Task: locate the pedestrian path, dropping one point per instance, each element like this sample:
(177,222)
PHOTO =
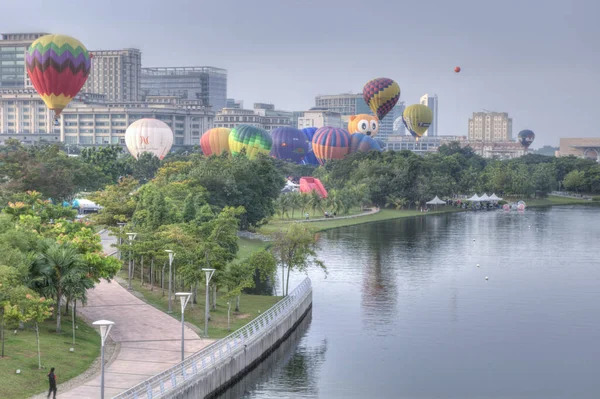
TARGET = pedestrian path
(149,340)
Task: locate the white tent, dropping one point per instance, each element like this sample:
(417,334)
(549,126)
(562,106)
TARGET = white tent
(493,197)
(436,201)
(484,197)
(474,198)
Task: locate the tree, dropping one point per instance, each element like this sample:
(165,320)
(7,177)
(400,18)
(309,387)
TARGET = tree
(31,308)
(117,201)
(575,180)
(109,160)
(241,274)
(295,249)
(144,168)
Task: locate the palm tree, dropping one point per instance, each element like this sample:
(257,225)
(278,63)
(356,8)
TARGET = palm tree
(397,202)
(315,201)
(64,266)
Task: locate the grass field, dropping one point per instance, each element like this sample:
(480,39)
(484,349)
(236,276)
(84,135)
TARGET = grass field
(251,306)
(21,353)
(553,200)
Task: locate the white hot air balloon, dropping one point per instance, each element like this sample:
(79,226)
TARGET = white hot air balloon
(149,135)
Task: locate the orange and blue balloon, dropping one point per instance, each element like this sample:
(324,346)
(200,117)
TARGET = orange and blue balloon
(330,143)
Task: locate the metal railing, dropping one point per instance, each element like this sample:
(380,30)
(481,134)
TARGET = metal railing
(220,351)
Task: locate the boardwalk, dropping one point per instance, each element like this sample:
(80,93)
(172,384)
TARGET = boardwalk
(149,339)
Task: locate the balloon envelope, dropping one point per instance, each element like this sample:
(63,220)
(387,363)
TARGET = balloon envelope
(526,137)
(254,139)
(381,95)
(330,143)
(215,141)
(310,158)
(360,142)
(457,69)
(289,144)
(58,66)
(149,135)
(417,118)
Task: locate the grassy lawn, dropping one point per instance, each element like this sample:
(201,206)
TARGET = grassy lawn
(251,306)
(21,353)
(384,214)
(248,246)
(554,200)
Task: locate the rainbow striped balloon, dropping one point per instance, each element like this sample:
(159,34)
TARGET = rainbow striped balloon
(330,143)
(58,66)
(251,138)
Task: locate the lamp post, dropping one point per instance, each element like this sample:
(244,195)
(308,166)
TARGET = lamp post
(121,225)
(184,298)
(131,237)
(171,256)
(105,326)
(209,274)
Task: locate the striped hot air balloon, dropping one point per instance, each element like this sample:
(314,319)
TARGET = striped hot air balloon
(381,95)
(330,143)
(58,66)
(254,139)
(215,141)
(360,142)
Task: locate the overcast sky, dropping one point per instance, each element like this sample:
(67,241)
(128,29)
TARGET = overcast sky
(538,60)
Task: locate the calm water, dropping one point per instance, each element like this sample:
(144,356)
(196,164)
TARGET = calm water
(406,312)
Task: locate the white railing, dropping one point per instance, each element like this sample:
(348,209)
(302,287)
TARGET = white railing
(220,351)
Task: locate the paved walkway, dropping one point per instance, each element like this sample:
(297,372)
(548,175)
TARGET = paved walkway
(149,339)
(323,219)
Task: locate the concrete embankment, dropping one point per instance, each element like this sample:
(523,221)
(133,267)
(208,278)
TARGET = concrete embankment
(212,370)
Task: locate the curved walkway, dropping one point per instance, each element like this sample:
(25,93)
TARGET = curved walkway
(149,339)
(371,212)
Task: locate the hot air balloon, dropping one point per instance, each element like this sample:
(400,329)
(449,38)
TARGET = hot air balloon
(58,66)
(289,144)
(457,69)
(363,123)
(417,118)
(310,158)
(254,139)
(215,141)
(381,95)
(149,135)
(526,137)
(362,143)
(330,143)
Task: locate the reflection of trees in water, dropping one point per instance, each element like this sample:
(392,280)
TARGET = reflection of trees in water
(293,367)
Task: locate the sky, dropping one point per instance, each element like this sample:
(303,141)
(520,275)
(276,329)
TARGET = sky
(538,60)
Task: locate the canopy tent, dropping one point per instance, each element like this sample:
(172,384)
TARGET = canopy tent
(436,201)
(474,198)
(493,197)
(484,197)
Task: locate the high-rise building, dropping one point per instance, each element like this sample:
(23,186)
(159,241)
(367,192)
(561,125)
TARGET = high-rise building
(207,84)
(490,126)
(116,74)
(13,73)
(233,103)
(344,104)
(432,102)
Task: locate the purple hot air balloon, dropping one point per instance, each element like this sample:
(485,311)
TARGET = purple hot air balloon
(289,144)
(310,158)
(362,143)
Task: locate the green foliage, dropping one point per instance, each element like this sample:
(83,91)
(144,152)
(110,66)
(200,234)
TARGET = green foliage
(117,201)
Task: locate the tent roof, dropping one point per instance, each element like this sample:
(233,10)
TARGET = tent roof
(474,198)
(484,197)
(493,197)
(436,201)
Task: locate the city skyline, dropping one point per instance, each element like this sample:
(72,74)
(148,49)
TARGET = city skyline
(535,64)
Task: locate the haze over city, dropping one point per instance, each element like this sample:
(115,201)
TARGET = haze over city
(537,61)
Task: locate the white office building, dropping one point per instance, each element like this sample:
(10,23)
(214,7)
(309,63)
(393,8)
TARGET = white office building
(264,116)
(320,118)
(116,74)
(490,127)
(432,102)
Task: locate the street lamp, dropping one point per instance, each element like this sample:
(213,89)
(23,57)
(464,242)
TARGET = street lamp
(171,256)
(105,326)
(184,298)
(209,274)
(131,237)
(120,224)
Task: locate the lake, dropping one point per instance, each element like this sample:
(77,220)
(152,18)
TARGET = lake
(406,313)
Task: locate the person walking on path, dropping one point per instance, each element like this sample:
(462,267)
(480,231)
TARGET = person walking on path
(52,382)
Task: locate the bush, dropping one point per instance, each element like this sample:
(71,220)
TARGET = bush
(596,198)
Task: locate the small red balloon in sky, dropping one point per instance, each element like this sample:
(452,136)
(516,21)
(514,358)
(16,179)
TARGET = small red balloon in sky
(457,69)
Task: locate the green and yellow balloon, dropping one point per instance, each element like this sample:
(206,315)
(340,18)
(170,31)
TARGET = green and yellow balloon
(251,138)
(417,118)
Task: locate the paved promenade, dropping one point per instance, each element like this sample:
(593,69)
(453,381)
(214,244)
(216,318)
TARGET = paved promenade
(149,339)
